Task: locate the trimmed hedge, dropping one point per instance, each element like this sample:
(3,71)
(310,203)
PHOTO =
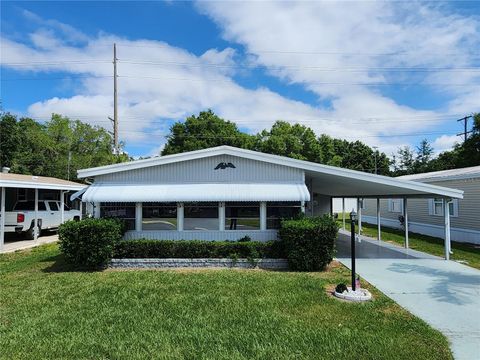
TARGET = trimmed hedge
(309,242)
(194,249)
(89,243)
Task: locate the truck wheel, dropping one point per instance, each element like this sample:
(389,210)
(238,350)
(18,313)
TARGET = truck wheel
(30,233)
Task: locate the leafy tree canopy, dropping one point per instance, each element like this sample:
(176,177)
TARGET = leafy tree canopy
(57,148)
(295,141)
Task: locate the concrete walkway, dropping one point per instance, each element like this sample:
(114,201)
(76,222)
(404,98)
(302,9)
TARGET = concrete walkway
(14,243)
(443,293)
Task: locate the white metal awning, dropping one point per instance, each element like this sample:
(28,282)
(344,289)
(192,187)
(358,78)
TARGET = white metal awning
(101,192)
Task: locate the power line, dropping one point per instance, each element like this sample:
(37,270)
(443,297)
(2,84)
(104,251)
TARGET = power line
(299,67)
(229,80)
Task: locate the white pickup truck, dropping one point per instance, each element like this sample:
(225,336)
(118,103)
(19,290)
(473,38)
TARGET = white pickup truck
(22,218)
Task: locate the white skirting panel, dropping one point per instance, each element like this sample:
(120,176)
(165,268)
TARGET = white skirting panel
(212,235)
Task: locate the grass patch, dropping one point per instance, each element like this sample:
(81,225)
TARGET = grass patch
(50,311)
(465,253)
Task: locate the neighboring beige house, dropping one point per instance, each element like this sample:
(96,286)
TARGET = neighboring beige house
(426,215)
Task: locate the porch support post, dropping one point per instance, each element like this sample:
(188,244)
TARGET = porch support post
(221,216)
(138,216)
(263,215)
(96,210)
(446,212)
(62,206)
(302,207)
(2,219)
(379,229)
(405,215)
(35,221)
(180,216)
(343,212)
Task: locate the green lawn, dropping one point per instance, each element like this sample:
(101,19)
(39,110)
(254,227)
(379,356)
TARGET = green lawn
(465,253)
(48,311)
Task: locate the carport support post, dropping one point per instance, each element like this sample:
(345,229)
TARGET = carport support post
(379,229)
(35,221)
(446,212)
(62,206)
(2,218)
(359,211)
(343,213)
(352,244)
(138,216)
(405,215)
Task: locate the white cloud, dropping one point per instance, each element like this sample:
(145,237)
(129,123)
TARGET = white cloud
(444,143)
(159,82)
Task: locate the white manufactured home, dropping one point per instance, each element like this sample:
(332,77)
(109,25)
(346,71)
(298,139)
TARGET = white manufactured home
(427,214)
(226,193)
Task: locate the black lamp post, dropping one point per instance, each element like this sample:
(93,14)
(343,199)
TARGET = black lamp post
(353,217)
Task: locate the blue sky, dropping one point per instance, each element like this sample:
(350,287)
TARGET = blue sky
(386,73)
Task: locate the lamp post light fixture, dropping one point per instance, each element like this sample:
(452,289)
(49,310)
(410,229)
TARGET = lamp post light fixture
(353,217)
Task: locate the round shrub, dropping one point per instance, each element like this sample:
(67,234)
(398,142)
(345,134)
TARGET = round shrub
(309,243)
(89,243)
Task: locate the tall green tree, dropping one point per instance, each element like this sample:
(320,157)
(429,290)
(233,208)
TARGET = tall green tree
(424,154)
(204,131)
(406,161)
(8,138)
(295,141)
(58,147)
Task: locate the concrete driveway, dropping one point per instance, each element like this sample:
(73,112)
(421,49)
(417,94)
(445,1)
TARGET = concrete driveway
(445,294)
(14,242)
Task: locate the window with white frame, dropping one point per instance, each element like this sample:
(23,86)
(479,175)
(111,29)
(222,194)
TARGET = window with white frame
(395,205)
(435,207)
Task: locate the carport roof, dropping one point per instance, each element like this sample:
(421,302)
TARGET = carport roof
(325,179)
(9,180)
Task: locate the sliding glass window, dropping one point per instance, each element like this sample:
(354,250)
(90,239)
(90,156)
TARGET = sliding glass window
(242,216)
(201,216)
(159,216)
(276,211)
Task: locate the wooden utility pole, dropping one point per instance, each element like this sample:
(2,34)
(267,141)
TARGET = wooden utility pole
(465,126)
(115,103)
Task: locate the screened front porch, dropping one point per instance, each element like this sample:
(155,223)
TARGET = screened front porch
(201,220)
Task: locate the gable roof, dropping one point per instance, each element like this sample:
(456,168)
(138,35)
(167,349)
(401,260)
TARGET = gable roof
(452,174)
(40,182)
(331,174)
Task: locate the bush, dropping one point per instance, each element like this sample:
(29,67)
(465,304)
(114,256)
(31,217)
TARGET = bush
(309,242)
(144,249)
(89,243)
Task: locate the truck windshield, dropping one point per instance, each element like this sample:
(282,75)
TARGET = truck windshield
(29,206)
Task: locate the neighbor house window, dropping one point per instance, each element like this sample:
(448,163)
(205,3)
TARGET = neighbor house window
(159,216)
(436,207)
(395,205)
(242,216)
(201,216)
(276,211)
(119,210)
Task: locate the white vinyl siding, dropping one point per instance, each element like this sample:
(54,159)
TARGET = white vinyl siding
(466,211)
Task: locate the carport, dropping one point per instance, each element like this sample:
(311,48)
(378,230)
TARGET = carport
(16,187)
